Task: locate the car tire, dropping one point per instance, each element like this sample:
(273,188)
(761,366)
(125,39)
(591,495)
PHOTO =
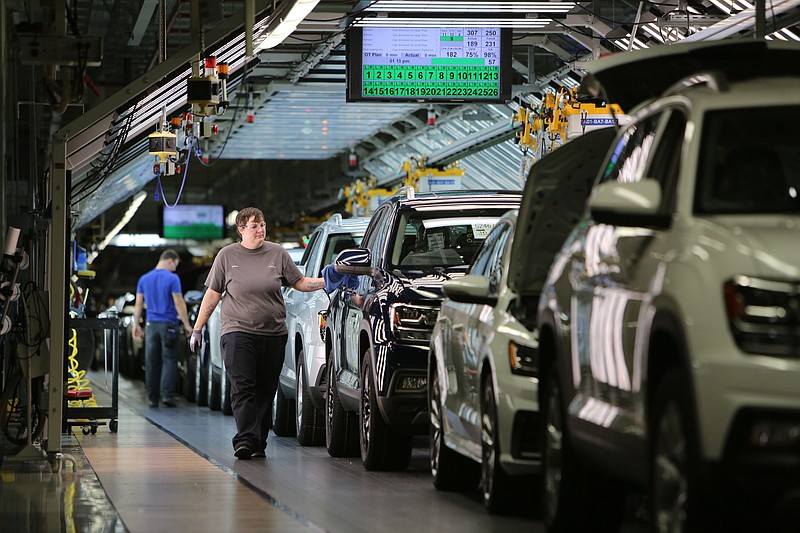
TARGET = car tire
(282,415)
(189,386)
(566,487)
(214,390)
(201,378)
(310,421)
(495,483)
(450,470)
(679,498)
(225,393)
(341,427)
(382,447)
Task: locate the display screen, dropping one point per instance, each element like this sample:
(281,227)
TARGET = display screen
(456,64)
(200,222)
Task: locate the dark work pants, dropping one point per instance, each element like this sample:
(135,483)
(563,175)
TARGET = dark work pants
(253,363)
(160,361)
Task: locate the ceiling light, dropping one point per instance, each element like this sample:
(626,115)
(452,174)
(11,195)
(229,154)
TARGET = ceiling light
(286,24)
(453,22)
(411,6)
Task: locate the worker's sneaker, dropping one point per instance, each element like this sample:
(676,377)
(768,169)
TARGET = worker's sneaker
(170,403)
(243,452)
(259,455)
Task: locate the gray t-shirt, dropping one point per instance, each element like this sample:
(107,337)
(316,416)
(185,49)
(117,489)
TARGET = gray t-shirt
(252,281)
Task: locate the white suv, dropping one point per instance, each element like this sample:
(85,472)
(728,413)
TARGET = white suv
(297,409)
(669,325)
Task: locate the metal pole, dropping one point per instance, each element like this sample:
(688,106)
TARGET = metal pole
(761,19)
(57,266)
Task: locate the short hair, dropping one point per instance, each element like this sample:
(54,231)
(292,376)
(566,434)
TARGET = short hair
(169,254)
(243,217)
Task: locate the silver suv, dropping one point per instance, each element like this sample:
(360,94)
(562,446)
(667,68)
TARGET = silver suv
(298,403)
(670,320)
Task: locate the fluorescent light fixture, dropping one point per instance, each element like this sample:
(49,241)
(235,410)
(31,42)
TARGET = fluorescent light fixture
(138,240)
(453,22)
(138,200)
(467,6)
(286,23)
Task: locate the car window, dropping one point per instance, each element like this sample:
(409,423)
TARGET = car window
(336,243)
(489,260)
(427,239)
(310,248)
(742,173)
(628,158)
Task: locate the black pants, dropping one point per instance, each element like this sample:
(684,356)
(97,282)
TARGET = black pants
(253,363)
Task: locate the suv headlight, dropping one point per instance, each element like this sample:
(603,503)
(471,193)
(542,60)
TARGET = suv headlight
(764,315)
(413,323)
(524,360)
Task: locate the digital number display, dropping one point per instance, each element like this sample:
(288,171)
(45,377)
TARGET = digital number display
(441,64)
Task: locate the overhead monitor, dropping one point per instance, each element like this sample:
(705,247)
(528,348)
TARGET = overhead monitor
(424,64)
(199,222)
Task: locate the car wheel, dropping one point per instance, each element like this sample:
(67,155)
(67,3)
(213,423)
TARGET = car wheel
(341,429)
(676,487)
(201,379)
(450,469)
(565,486)
(282,417)
(214,390)
(310,420)
(382,447)
(494,481)
(225,393)
(189,386)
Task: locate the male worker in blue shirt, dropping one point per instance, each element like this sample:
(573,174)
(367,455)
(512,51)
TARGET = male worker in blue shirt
(161,289)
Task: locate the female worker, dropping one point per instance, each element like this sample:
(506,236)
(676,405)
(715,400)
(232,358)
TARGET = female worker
(253,337)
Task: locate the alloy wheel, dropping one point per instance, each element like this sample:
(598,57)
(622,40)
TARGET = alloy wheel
(670,483)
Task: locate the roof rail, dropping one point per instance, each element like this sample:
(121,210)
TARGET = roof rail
(714,80)
(335,218)
(408,191)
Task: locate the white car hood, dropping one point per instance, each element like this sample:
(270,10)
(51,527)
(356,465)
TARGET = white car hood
(770,243)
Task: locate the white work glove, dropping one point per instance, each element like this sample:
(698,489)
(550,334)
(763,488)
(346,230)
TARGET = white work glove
(195,340)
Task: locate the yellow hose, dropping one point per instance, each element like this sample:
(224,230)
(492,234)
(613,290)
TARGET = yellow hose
(76,379)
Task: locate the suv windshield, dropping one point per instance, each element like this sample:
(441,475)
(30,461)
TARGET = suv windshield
(744,171)
(433,239)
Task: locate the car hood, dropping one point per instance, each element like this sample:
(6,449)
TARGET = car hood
(629,78)
(554,200)
(769,242)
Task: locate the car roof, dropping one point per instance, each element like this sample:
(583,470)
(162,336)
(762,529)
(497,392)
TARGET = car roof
(630,78)
(460,199)
(337,224)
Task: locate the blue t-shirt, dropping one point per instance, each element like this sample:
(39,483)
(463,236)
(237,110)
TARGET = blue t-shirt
(157,286)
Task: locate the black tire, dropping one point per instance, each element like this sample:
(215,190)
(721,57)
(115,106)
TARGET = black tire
(495,483)
(382,446)
(341,427)
(214,390)
(450,469)
(566,488)
(189,381)
(680,499)
(225,394)
(201,379)
(282,415)
(310,421)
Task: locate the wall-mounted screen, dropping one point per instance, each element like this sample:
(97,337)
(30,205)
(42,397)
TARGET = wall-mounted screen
(200,222)
(446,64)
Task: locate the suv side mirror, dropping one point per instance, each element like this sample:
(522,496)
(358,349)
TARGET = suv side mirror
(469,289)
(628,204)
(354,262)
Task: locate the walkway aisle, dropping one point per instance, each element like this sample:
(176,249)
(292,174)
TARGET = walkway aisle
(156,483)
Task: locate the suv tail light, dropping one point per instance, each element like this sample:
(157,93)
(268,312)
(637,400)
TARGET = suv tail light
(764,315)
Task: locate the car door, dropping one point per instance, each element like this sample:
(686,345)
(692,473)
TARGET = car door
(614,276)
(472,329)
